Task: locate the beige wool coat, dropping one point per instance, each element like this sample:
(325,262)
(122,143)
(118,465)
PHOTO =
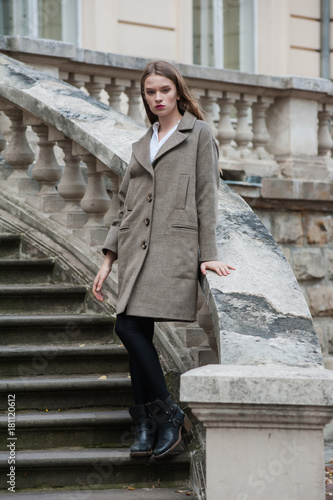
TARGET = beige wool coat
(166,223)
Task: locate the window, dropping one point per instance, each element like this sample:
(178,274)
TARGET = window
(224,34)
(54,19)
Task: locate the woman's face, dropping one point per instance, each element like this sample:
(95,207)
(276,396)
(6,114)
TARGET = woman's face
(161,95)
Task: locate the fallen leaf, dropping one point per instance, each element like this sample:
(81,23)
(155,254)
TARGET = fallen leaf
(102,377)
(130,488)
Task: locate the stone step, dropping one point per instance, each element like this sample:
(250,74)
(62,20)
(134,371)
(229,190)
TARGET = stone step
(82,468)
(17,271)
(67,392)
(181,492)
(9,245)
(55,329)
(62,360)
(38,299)
(71,429)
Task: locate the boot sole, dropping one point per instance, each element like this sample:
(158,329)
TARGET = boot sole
(141,454)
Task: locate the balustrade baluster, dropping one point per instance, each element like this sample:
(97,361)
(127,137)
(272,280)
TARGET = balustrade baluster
(46,171)
(226,132)
(95,202)
(134,101)
(18,153)
(261,135)
(75,79)
(207,101)
(115,90)
(96,85)
(325,142)
(72,185)
(244,134)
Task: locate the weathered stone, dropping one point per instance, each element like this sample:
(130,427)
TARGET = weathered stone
(321,300)
(287,253)
(329,258)
(329,337)
(298,189)
(259,318)
(319,229)
(308,263)
(320,328)
(288,228)
(265,218)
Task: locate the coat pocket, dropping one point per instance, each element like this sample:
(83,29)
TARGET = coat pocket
(182,191)
(181,259)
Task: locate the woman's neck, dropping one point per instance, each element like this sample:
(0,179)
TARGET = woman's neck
(168,122)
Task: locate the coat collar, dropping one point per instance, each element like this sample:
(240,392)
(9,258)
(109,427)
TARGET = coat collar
(141,148)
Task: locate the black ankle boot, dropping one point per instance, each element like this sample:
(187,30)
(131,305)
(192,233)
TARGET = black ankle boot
(145,432)
(170,420)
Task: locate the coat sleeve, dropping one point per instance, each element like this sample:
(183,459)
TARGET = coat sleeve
(111,241)
(207,186)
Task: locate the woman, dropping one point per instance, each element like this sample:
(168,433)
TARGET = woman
(165,227)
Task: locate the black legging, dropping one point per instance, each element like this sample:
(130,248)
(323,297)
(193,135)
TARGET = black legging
(147,377)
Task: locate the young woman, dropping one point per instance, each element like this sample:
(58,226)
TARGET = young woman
(164,231)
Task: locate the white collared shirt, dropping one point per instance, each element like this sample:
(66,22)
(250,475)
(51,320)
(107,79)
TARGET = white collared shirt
(154,144)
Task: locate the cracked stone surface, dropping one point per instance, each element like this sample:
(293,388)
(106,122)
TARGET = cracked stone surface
(258,311)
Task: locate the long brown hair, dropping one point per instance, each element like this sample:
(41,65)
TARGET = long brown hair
(186,102)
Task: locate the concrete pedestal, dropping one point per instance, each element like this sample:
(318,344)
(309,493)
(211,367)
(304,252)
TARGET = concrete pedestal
(264,429)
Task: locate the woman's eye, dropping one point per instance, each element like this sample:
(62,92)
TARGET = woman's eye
(166,90)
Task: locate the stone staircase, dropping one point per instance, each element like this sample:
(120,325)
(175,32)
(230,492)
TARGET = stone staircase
(59,357)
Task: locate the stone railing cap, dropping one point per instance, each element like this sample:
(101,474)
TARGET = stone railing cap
(278,385)
(213,77)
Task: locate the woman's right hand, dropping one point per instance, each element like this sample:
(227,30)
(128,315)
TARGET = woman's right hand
(102,274)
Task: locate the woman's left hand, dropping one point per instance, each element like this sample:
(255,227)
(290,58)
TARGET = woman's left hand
(217,266)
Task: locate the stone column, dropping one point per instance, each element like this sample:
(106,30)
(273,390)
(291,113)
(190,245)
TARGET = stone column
(134,101)
(114,91)
(207,100)
(264,429)
(95,201)
(75,79)
(18,153)
(244,134)
(293,126)
(96,85)
(72,185)
(46,171)
(226,132)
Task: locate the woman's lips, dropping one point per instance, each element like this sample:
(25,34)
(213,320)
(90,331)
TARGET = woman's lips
(159,107)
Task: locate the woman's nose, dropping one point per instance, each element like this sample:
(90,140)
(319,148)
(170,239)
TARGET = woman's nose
(158,97)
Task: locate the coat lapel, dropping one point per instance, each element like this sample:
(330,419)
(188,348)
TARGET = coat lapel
(141,148)
(141,151)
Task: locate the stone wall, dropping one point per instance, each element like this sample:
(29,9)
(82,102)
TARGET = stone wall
(306,239)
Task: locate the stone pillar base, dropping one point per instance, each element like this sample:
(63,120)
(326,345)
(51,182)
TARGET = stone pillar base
(264,429)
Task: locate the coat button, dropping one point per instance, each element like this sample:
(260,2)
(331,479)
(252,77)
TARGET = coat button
(147,221)
(150,197)
(144,245)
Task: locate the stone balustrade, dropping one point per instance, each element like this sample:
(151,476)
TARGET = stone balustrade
(262,326)
(272,128)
